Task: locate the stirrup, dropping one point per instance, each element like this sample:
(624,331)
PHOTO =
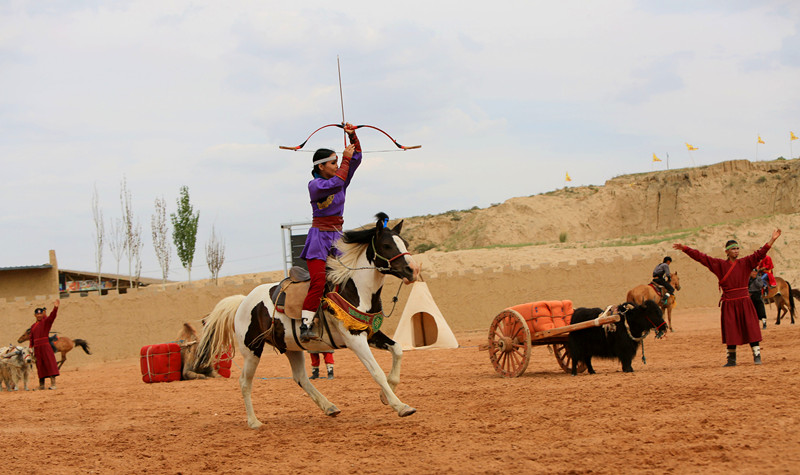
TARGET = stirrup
(307,334)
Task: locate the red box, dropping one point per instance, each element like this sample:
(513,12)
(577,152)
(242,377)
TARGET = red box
(223,366)
(160,363)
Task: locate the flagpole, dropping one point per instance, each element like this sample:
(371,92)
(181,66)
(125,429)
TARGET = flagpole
(667,160)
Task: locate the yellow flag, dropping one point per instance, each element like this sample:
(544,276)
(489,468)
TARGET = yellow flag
(760,140)
(656,159)
(794,137)
(691,147)
(568,178)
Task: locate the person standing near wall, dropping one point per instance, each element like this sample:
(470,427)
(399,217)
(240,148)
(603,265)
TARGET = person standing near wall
(756,286)
(46,364)
(738,319)
(315,363)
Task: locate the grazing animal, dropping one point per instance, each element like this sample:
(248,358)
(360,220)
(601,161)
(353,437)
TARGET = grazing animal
(62,344)
(368,255)
(16,364)
(618,340)
(643,292)
(187,339)
(782,295)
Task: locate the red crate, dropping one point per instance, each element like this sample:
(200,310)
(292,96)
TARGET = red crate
(160,363)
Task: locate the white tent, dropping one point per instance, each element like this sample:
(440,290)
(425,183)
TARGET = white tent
(422,324)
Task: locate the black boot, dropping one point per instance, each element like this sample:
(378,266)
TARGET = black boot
(314,373)
(306,334)
(731,360)
(330,373)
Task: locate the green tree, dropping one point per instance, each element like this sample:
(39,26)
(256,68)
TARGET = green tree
(184,230)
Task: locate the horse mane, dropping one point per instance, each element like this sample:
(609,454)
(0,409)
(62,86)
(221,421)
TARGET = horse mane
(352,244)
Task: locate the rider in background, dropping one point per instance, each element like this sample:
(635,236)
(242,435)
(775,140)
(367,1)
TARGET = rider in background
(327,192)
(766,267)
(661,276)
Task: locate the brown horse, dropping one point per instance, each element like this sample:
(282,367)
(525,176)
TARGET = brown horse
(62,344)
(782,296)
(187,339)
(643,292)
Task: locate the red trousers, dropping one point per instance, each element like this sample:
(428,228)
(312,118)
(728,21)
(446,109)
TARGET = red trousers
(316,267)
(315,358)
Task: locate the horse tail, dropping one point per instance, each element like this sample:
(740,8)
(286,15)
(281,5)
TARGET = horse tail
(83,344)
(791,297)
(218,333)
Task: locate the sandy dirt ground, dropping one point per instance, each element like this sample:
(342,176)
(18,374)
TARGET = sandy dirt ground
(682,412)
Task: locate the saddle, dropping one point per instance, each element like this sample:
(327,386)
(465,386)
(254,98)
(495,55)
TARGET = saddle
(660,290)
(289,294)
(53,339)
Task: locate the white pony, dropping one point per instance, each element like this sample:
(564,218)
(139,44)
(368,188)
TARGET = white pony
(357,276)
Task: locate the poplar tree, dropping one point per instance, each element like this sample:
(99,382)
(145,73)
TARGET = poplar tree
(184,230)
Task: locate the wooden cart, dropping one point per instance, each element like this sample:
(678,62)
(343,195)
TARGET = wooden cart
(516,329)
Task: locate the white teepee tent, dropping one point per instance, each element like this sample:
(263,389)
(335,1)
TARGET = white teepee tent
(422,324)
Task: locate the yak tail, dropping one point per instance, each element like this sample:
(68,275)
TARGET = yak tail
(83,344)
(218,333)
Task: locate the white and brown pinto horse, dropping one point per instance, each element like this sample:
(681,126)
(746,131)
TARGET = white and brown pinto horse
(368,255)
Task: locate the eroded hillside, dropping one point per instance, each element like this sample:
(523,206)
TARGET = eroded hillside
(629,205)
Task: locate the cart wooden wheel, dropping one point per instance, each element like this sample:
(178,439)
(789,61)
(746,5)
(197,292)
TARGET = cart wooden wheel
(565,359)
(509,344)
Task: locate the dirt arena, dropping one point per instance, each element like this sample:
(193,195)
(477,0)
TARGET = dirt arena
(681,412)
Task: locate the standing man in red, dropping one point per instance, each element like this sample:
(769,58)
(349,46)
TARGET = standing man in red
(738,315)
(40,342)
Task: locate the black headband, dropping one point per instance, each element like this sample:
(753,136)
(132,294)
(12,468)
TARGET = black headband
(40,310)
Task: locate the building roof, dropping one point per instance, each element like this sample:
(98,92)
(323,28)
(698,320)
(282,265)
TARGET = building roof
(82,274)
(42,266)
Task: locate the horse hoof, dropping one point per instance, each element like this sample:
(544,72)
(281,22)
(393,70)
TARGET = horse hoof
(406,411)
(332,411)
(384,400)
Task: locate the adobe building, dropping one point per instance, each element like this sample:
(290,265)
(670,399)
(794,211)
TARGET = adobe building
(48,281)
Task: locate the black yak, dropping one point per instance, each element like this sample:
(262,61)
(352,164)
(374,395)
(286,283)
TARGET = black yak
(618,340)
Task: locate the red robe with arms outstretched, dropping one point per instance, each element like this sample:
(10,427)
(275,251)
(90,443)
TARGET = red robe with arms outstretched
(45,358)
(738,317)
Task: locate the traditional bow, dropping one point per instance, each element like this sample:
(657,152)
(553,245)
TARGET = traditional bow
(341,126)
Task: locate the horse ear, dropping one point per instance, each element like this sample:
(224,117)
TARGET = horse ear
(398,227)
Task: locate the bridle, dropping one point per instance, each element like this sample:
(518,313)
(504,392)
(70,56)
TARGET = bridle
(388,261)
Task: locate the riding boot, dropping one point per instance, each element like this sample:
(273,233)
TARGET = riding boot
(306,333)
(731,358)
(314,373)
(756,354)
(330,371)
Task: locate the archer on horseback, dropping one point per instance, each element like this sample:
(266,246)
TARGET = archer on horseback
(661,276)
(327,192)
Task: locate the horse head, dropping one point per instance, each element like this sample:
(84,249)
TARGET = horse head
(25,336)
(675,281)
(383,248)
(389,251)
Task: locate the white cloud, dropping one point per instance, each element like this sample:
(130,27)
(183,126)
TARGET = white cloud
(505,98)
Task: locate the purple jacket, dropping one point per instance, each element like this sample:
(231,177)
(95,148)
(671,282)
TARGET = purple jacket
(327,199)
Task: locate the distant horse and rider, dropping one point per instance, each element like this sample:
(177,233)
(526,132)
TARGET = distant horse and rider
(782,295)
(656,292)
(60,344)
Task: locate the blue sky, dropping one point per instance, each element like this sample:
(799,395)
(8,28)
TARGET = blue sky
(505,98)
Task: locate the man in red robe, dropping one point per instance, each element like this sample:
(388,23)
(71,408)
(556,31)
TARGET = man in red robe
(738,315)
(40,342)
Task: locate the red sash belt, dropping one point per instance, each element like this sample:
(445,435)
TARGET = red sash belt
(41,341)
(735,294)
(327,223)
